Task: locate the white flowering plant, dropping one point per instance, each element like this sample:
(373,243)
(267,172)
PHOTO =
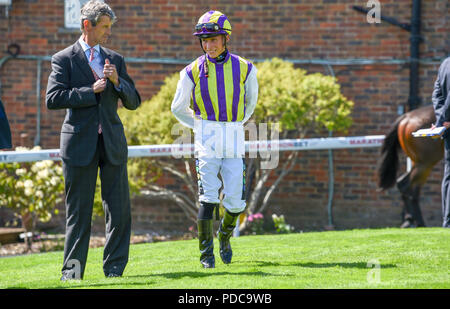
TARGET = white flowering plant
(31,190)
(281,227)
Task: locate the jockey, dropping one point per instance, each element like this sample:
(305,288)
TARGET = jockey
(215,96)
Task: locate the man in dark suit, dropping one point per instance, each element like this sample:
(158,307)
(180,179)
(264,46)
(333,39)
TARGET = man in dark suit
(441,104)
(87,80)
(5,132)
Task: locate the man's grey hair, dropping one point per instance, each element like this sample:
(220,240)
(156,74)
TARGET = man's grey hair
(95,9)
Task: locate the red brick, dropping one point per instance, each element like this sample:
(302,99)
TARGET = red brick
(261,29)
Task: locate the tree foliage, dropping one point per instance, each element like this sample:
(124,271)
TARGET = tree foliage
(300,101)
(152,123)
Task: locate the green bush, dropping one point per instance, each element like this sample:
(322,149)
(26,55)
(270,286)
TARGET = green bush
(151,124)
(300,101)
(31,188)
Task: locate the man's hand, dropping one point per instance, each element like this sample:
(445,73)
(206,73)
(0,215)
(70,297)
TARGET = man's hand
(110,72)
(99,85)
(445,124)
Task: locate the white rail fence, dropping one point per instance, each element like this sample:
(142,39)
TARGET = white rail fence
(188,149)
(252,148)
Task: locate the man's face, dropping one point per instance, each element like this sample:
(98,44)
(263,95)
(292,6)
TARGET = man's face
(101,32)
(214,46)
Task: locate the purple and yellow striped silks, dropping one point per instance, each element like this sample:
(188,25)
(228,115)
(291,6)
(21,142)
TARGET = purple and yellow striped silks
(221,96)
(216,17)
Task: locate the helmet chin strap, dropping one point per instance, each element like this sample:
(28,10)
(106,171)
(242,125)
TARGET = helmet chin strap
(222,56)
(219,58)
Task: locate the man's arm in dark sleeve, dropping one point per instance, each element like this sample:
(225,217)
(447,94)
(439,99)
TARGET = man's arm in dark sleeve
(441,96)
(127,91)
(59,93)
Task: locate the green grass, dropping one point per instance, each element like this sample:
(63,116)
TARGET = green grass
(408,258)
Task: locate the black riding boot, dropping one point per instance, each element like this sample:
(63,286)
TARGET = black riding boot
(206,242)
(224,233)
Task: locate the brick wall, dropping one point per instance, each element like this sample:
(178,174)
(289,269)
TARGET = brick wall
(323,29)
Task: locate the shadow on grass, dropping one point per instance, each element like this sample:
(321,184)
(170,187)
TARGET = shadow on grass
(128,280)
(196,274)
(361,265)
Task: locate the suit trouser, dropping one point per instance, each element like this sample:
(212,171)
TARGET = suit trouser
(446,184)
(80,183)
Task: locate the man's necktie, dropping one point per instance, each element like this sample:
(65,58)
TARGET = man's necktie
(91,57)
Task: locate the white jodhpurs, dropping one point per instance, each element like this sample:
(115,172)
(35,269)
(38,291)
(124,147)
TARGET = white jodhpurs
(232,172)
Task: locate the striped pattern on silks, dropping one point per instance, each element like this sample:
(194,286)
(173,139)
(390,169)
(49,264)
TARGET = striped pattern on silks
(217,18)
(221,96)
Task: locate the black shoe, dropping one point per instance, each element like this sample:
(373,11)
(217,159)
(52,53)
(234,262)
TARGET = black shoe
(224,233)
(206,242)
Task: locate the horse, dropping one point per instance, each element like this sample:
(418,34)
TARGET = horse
(424,153)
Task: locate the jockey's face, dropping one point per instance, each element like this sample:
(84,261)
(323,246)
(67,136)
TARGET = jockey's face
(214,46)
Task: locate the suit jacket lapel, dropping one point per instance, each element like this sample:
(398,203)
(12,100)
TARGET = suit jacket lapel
(105,55)
(81,61)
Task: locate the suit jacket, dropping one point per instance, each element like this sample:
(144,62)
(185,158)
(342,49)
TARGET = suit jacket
(5,132)
(70,87)
(441,94)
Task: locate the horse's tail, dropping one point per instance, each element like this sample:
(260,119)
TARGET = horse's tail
(389,163)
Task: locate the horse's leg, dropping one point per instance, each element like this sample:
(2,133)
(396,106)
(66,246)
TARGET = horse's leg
(418,177)
(404,186)
(415,207)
